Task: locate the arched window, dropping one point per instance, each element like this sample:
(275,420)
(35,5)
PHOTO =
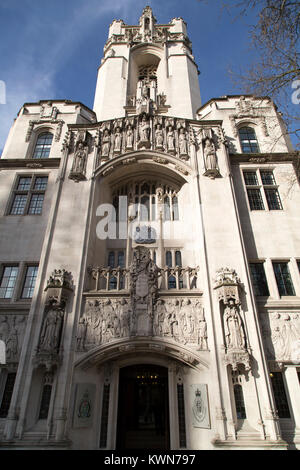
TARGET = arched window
(43,145)
(148,200)
(248,140)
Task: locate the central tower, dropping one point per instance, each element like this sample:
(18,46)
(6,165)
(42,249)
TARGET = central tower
(147,68)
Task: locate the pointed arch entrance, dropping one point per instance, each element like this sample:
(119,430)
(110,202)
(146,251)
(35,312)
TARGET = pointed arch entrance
(143,408)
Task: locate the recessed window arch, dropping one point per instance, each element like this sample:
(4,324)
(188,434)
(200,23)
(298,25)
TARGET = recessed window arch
(43,145)
(149,199)
(239,402)
(248,139)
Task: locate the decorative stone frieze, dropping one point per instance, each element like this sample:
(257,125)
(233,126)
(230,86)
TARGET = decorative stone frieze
(281,333)
(159,133)
(12,329)
(248,108)
(107,319)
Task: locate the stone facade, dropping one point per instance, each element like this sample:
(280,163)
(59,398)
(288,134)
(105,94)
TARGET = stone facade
(151,234)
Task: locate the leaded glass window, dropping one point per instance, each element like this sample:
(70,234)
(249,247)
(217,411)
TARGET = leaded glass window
(28,196)
(8,281)
(283,279)
(43,145)
(29,282)
(259,280)
(248,140)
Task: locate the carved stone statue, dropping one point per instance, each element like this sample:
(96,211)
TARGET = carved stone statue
(79,159)
(159,137)
(233,328)
(118,140)
(182,142)
(105,143)
(51,331)
(81,333)
(143,290)
(159,318)
(129,137)
(144,130)
(202,332)
(210,156)
(170,138)
(124,319)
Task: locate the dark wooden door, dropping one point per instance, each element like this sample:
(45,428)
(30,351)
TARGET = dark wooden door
(143,411)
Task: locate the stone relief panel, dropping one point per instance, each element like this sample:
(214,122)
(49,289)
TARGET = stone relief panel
(12,329)
(107,319)
(84,405)
(145,131)
(200,409)
(142,312)
(281,333)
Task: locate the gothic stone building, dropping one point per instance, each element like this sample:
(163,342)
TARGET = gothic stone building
(150,255)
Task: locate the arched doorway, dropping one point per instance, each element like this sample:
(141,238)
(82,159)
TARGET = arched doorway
(143,408)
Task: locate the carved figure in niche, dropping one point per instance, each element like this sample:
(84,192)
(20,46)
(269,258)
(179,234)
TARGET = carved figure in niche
(182,142)
(129,137)
(124,319)
(105,143)
(144,129)
(118,140)
(233,328)
(50,336)
(159,137)
(79,159)
(81,333)
(210,156)
(159,318)
(202,331)
(92,319)
(170,138)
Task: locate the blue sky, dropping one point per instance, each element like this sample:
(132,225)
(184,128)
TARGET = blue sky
(51,49)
